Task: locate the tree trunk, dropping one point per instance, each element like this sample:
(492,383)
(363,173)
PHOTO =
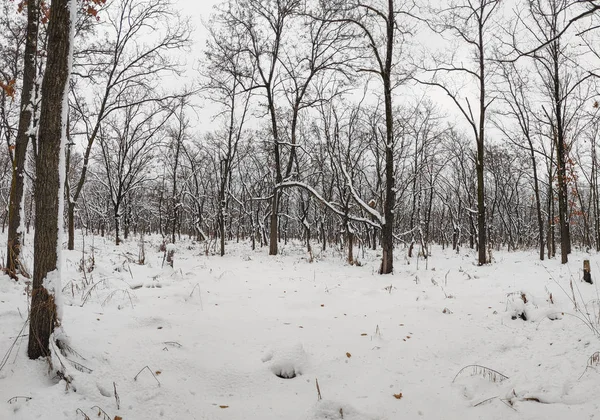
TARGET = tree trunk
(20,156)
(387,230)
(117,227)
(222,228)
(350,246)
(273,226)
(565,239)
(49,185)
(71,220)
(481,225)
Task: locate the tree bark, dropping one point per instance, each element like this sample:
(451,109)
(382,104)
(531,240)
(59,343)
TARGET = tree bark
(20,155)
(49,185)
(481,225)
(387,230)
(71,225)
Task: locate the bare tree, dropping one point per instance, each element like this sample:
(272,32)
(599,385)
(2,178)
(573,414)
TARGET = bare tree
(128,142)
(225,75)
(25,129)
(471,22)
(560,82)
(142,36)
(45,315)
(515,93)
(380,35)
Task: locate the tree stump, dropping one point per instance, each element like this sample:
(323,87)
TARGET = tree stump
(587,276)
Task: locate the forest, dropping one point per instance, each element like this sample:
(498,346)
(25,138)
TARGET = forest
(355,134)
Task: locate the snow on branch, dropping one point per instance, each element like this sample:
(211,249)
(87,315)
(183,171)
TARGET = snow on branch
(319,197)
(378,216)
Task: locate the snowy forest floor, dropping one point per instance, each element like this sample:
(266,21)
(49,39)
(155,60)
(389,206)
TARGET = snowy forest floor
(207,338)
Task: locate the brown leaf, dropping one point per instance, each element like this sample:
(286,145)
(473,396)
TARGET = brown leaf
(118,418)
(363,334)
(348,355)
(158,372)
(398,396)
(223,406)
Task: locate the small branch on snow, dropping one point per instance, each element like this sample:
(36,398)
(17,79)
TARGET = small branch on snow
(149,370)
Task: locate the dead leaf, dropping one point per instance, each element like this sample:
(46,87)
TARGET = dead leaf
(322,305)
(363,334)
(348,355)
(398,396)
(158,372)
(223,406)
(118,418)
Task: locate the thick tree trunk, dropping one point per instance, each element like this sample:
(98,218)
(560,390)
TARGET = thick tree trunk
(49,185)
(20,156)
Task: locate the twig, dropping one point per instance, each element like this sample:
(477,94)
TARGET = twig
(594,359)
(319,398)
(14,399)
(79,366)
(12,346)
(485,401)
(492,374)
(508,404)
(87,294)
(199,294)
(149,370)
(117,399)
(85,416)
(101,411)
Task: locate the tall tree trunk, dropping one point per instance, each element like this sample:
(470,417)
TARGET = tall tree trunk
(222,225)
(481,225)
(387,230)
(20,156)
(595,196)
(49,200)
(538,205)
(565,237)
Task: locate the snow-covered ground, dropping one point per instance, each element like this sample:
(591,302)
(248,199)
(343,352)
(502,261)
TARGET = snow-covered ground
(247,336)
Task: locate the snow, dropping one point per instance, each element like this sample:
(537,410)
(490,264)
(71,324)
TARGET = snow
(206,339)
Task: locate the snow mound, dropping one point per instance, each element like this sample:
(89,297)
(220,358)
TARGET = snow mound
(287,362)
(326,409)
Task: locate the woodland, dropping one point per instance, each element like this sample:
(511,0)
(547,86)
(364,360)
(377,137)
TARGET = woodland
(397,127)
